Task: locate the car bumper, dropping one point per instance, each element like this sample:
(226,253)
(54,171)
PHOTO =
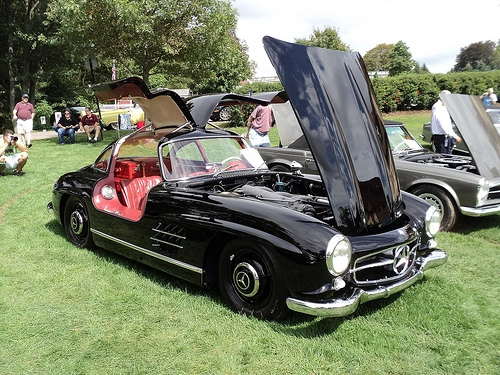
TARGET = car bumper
(347,306)
(480,211)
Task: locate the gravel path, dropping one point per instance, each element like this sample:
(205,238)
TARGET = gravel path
(43,134)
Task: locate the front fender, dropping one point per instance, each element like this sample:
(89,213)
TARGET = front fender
(434,182)
(280,161)
(296,241)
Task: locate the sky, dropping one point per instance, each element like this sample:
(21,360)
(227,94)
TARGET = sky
(433,30)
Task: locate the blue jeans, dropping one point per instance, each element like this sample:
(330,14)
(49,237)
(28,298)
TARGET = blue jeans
(68,133)
(258,139)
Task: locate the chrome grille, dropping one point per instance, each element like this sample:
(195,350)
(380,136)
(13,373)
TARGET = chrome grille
(494,192)
(385,265)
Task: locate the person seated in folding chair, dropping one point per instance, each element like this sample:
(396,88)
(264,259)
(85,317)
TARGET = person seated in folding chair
(13,153)
(66,127)
(90,124)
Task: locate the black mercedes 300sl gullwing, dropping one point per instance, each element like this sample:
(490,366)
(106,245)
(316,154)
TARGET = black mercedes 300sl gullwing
(199,203)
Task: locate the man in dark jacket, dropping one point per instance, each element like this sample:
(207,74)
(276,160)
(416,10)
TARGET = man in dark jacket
(66,127)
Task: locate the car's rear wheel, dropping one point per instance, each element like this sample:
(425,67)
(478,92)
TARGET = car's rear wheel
(442,201)
(225,113)
(77,224)
(251,282)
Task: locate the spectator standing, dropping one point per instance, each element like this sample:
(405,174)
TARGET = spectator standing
(259,123)
(23,114)
(443,136)
(13,153)
(90,122)
(489,98)
(66,127)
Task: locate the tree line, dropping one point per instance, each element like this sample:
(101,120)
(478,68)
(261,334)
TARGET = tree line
(56,48)
(397,59)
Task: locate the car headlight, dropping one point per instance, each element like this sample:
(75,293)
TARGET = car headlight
(338,254)
(482,191)
(432,221)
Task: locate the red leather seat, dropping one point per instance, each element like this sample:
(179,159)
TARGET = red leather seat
(135,190)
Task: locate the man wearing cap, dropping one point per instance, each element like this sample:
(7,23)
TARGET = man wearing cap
(23,114)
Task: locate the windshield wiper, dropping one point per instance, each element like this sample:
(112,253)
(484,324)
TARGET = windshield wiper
(225,169)
(259,166)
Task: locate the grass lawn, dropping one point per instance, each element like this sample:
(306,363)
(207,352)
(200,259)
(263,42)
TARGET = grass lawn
(65,310)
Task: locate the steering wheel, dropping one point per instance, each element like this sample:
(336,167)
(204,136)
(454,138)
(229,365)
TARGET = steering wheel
(226,160)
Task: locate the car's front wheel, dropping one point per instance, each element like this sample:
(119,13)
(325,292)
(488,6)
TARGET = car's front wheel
(251,282)
(442,201)
(77,224)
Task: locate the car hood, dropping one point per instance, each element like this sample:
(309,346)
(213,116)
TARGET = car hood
(164,108)
(477,131)
(336,109)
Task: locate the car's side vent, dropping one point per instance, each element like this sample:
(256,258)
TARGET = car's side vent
(168,237)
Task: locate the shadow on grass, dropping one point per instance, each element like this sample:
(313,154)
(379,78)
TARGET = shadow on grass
(295,324)
(306,326)
(467,224)
(161,278)
(81,138)
(56,228)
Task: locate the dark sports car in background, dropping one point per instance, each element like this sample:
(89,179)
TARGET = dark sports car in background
(221,113)
(197,202)
(454,184)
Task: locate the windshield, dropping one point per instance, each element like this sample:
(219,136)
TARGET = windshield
(494,115)
(401,140)
(208,156)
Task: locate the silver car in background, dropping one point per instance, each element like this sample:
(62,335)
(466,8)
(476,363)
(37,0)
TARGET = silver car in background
(457,185)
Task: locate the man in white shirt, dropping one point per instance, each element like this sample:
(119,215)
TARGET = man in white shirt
(443,136)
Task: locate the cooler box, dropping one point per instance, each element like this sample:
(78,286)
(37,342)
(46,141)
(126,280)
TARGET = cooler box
(124,121)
